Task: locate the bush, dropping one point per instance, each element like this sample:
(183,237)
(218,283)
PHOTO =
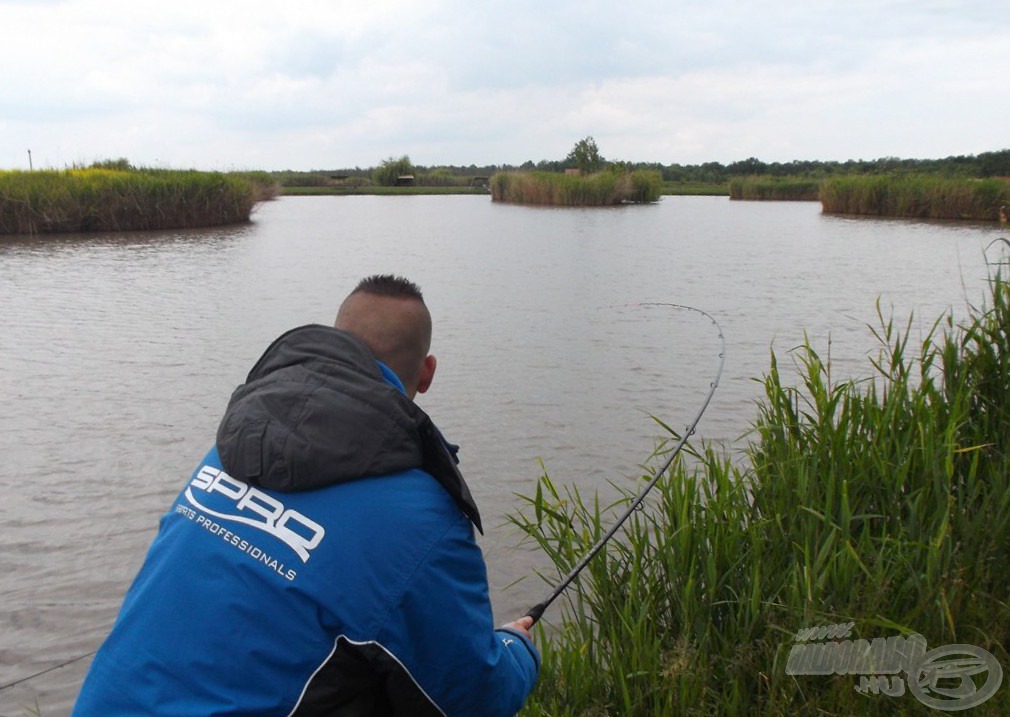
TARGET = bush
(442,177)
(392,169)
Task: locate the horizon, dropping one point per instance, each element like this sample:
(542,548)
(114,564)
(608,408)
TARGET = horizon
(359,168)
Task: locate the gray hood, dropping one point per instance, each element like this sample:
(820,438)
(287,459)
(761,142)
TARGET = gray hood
(315,410)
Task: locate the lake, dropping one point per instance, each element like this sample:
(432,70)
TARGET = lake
(118,354)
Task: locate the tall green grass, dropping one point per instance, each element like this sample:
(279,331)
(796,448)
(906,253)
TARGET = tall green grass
(115,199)
(883,501)
(916,195)
(605,188)
(761,187)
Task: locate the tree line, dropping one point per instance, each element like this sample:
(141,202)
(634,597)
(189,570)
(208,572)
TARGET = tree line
(586,155)
(987,164)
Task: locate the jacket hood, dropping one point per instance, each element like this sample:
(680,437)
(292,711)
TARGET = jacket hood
(315,411)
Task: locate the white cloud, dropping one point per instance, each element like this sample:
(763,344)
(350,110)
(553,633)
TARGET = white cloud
(333,84)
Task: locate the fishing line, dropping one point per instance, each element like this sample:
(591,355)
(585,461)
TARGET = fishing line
(46,671)
(537,611)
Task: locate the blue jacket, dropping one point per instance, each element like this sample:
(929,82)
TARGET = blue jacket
(357,595)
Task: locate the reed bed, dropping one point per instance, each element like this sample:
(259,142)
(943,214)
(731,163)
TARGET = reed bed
(102,199)
(605,188)
(884,502)
(920,196)
(767,188)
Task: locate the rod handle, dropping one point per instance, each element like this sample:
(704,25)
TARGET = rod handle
(536,612)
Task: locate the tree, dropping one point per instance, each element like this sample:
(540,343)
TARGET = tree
(391,169)
(751,165)
(586,156)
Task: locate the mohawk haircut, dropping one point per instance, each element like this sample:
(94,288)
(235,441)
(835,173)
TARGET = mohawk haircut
(389,285)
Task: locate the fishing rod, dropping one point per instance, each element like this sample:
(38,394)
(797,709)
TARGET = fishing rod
(537,611)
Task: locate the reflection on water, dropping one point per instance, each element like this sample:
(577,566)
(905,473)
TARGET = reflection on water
(118,353)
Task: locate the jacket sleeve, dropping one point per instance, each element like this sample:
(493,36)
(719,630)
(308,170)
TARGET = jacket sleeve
(442,630)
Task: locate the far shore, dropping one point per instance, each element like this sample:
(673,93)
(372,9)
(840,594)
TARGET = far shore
(716,189)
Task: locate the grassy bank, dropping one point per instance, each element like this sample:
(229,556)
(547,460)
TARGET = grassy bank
(758,187)
(883,502)
(107,199)
(695,189)
(668,188)
(377,190)
(916,195)
(600,189)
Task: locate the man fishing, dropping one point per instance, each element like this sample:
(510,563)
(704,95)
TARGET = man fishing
(321,559)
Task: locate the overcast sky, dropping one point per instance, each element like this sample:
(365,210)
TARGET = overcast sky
(330,84)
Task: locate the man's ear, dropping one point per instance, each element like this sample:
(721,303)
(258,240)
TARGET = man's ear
(427,374)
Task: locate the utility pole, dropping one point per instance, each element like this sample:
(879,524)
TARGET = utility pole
(30,167)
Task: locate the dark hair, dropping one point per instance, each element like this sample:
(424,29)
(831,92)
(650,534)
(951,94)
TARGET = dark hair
(389,285)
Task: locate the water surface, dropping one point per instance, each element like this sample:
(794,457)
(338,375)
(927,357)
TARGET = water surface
(118,354)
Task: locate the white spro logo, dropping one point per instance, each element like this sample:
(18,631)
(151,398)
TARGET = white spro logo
(950,678)
(255,508)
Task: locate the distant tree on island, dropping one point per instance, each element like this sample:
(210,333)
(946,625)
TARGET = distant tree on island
(585,155)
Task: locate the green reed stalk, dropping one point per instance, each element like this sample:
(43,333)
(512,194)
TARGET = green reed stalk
(883,501)
(104,199)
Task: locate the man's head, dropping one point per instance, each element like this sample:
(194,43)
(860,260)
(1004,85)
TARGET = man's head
(388,313)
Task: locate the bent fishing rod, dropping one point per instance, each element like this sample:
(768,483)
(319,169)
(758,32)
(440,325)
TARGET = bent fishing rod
(537,611)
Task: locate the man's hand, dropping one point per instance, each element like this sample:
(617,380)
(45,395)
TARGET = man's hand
(522,625)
